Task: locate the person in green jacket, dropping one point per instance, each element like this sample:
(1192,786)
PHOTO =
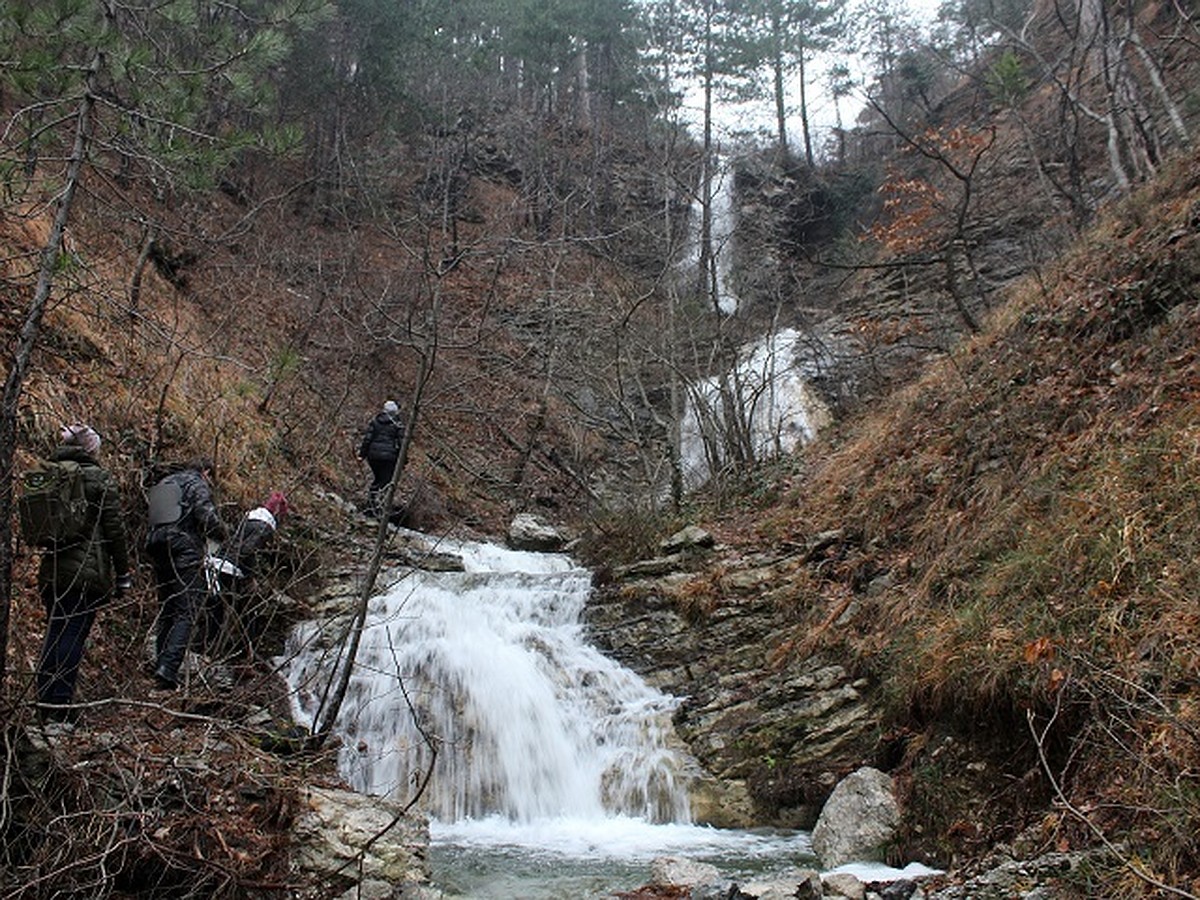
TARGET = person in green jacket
(76,578)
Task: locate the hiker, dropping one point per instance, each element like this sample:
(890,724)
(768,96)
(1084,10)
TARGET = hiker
(234,615)
(381,448)
(182,519)
(79,575)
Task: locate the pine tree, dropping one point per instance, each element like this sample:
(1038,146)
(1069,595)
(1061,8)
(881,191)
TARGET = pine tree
(169,92)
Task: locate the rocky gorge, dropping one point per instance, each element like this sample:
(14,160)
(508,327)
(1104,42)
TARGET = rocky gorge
(787,745)
(775,731)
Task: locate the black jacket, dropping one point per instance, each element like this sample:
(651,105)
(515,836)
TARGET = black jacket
(250,539)
(195,521)
(90,564)
(384,435)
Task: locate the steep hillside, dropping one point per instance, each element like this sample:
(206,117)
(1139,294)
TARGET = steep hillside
(1005,553)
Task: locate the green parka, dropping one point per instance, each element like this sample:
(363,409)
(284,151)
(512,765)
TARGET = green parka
(91,563)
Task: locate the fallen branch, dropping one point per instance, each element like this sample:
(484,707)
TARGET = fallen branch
(1039,742)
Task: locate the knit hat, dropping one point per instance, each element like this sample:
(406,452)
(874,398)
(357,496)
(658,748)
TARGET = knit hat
(277,505)
(81,436)
(391,408)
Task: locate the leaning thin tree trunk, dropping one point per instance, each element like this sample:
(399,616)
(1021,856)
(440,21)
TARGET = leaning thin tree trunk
(1154,72)
(23,353)
(327,714)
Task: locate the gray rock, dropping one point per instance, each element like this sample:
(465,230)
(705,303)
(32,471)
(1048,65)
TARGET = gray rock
(858,819)
(649,568)
(902,889)
(797,883)
(843,884)
(677,871)
(527,532)
(360,840)
(692,537)
(721,803)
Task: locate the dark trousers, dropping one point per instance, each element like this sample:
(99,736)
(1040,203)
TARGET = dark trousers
(381,471)
(228,617)
(69,619)
(181,596)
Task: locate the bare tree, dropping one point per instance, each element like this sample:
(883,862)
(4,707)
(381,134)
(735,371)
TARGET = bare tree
(27,339)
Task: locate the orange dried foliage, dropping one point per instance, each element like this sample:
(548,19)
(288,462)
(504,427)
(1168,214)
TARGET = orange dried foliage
(916,214)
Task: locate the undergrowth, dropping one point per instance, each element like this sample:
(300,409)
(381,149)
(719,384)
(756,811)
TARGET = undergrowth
(1035,501)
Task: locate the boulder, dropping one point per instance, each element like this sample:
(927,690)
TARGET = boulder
(797,883)
(843,884)
(527,532)
(359,840)
(857,821)
(676,871)
(691,538)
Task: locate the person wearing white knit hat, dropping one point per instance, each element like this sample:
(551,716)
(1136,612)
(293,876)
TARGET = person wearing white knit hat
(381,448)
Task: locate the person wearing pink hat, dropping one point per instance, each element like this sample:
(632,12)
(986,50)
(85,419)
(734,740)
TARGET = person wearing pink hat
(234,614)
(78,576)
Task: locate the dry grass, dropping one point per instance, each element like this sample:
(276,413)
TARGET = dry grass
(1036,498)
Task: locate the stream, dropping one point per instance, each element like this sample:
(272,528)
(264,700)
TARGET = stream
(556,772)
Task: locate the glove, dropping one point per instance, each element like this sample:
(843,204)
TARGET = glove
(124,583)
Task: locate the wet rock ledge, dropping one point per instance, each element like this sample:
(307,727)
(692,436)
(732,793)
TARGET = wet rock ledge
(775,730)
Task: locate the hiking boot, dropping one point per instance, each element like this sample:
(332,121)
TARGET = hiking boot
(162,682)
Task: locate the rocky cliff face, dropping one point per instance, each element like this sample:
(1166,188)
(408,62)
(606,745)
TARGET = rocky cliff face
(772,729)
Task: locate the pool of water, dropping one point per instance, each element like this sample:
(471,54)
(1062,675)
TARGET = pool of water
(565,859)
(577,859)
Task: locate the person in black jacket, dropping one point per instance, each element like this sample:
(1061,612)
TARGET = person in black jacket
(381,448)
(182,518)
(235,615)
(76,578)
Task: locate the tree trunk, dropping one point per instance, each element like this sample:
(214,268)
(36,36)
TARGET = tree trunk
(23,353)
(707,275)
(583,86)
(331,704)
(1131,147)
(808,149)
(778,73)
(1160,89)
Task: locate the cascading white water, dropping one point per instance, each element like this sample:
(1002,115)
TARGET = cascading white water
(555,776)
(779,409)
(766,396)
(722,222)
(530,723)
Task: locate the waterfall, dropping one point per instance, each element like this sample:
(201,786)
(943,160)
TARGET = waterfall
(773,408)
(778,409)
(530,723)
(555,773)
(722,223)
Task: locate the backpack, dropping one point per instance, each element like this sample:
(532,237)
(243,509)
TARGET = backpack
(52,507)
(165,502)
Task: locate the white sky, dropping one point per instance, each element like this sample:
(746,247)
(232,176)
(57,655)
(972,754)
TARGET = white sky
(730,119)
